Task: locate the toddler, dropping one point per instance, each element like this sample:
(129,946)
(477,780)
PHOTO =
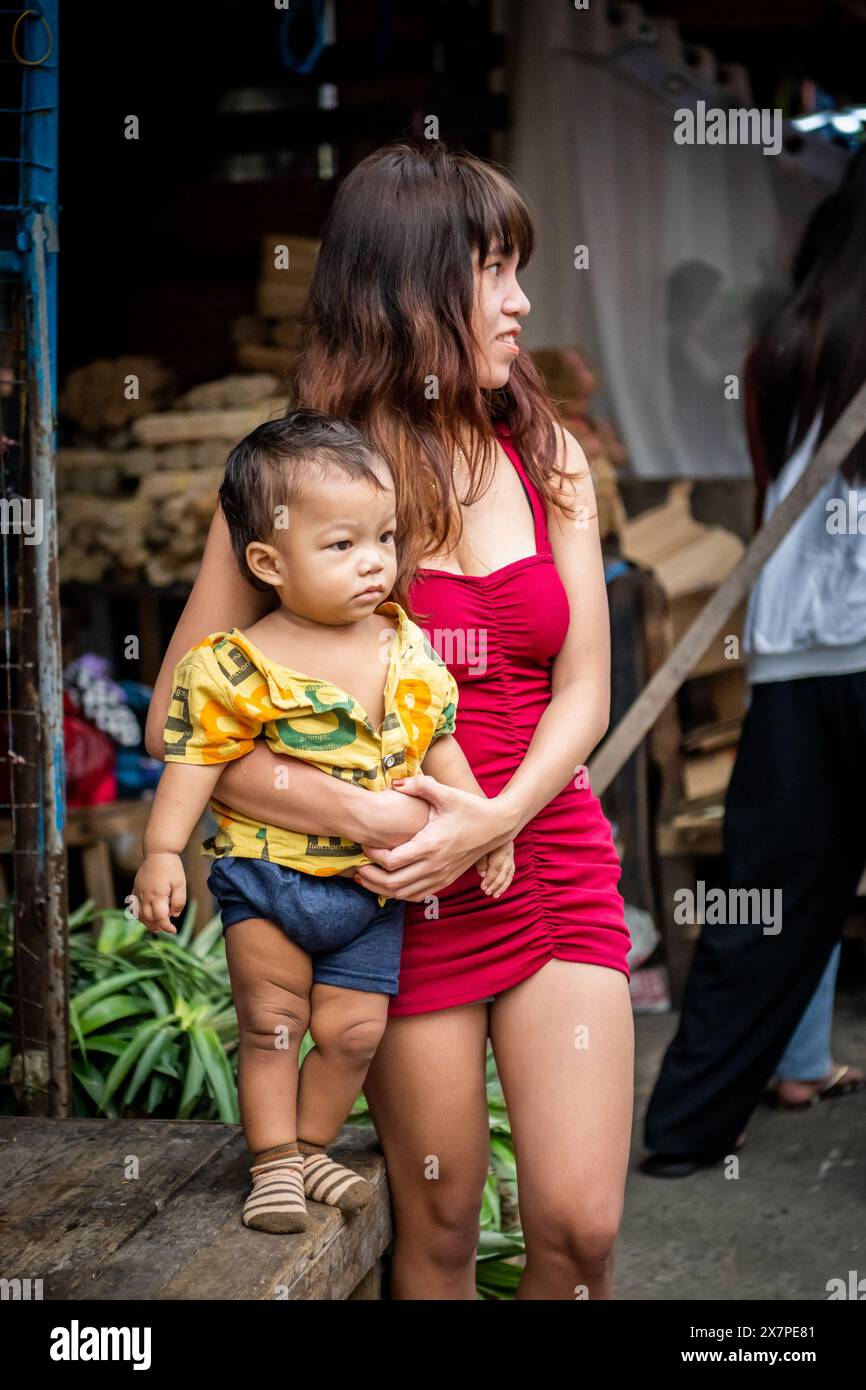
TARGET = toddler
(310,509)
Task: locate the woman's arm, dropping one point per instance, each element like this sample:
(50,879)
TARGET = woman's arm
(316,803)
(461,828)
(313,802)
(220,599)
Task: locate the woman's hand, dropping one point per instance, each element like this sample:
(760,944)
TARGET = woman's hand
(461,828)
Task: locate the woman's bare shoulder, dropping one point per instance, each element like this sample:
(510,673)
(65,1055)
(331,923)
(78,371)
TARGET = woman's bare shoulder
(572,485)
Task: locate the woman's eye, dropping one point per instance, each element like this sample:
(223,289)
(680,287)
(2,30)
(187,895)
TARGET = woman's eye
(495,265)
(339,545)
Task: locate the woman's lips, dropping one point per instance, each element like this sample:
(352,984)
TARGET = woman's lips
(510,342)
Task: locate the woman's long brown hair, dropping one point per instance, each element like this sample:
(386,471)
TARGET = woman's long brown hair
(810,357)
(388,341)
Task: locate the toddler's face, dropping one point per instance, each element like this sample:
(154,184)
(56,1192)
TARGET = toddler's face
(334,559)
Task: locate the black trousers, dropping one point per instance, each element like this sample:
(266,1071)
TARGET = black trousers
(795,820)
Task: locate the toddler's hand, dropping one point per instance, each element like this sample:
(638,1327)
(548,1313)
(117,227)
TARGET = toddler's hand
(159,891)
(496,869)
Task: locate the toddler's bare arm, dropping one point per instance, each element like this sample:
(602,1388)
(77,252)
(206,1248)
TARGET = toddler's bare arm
(159,890)
(446,761)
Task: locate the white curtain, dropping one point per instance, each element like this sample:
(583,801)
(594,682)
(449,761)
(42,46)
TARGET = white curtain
(685,242)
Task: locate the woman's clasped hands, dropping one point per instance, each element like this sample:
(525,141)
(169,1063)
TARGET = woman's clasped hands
(462,830)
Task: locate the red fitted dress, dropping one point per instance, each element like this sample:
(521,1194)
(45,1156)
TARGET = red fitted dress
(563,901)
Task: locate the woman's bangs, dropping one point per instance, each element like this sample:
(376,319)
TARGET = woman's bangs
(501,219)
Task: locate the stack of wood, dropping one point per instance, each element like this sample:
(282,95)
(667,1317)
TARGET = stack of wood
(269,340)
(107,394)
(141,513)
(690,560)
(572,383)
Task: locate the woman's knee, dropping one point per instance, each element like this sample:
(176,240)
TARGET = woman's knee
(577,1235)
(443,1230)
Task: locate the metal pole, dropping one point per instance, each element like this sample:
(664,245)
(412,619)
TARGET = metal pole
(49,665)
(47,910)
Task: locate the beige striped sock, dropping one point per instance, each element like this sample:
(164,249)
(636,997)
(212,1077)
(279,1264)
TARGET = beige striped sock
(276,1202)
(329,1182)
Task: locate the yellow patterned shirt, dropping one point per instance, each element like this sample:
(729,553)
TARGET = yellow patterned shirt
(227,693)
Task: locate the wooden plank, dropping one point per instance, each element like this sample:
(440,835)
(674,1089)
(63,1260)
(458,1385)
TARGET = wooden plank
(677,939)
(67,1222)
(277,300)
(176,1230)
(174,426)
(629,793)
(303,252)
(691,827)
(228,393)
(370,1286)
(287,332)
(722,733)
(665,735)
(265,357)
(708,774)
(98,878)
(86,824)
(328,1261)
(25,1150)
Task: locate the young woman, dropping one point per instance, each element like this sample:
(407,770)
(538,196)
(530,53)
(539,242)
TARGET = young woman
(412,333)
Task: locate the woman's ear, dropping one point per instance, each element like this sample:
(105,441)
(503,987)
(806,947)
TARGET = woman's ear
(263,561)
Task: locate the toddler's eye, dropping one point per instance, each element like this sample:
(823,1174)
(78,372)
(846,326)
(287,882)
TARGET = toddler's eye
(339,545)
(387,536)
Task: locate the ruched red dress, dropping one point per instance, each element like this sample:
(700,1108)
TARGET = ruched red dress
(498,633)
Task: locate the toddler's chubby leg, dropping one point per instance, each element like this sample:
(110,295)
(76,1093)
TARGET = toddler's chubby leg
(271,981)
(346,1026)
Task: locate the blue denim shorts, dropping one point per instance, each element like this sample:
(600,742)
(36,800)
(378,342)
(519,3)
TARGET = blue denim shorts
(352,941)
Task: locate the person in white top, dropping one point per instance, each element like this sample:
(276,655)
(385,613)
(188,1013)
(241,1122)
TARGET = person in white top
(758,1003)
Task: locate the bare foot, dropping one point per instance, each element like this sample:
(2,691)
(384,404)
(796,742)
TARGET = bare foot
(790,1092)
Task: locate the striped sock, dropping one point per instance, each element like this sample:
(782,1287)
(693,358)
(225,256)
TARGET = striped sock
(329,1182)
(276,1202)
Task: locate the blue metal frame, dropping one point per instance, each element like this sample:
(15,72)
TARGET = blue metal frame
(37,156)
(31,261)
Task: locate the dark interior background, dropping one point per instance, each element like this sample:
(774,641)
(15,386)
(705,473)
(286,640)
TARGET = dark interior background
(161,242)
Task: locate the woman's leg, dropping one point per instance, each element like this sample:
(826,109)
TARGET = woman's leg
(427,1094)
(346,1025)
(271,979)
(564,1047)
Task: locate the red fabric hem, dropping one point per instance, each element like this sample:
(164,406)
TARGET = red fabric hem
(473,998)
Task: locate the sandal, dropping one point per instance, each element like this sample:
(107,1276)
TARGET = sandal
(842,1081)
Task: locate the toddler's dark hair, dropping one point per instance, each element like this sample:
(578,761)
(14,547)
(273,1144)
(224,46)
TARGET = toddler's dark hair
(271,465)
